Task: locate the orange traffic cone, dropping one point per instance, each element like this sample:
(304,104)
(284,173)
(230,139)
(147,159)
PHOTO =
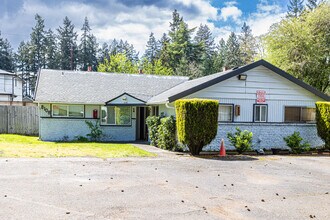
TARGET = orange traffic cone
(222,149)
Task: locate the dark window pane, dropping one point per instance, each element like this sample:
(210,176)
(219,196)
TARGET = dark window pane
(292,114)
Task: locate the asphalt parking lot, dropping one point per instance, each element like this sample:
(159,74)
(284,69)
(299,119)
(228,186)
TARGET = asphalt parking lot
(165,187)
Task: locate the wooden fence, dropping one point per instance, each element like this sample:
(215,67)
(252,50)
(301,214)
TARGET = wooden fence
(19,120)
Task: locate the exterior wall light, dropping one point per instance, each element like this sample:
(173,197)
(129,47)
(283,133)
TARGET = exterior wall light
(242,76)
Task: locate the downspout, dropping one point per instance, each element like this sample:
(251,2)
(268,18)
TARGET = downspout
(168,106)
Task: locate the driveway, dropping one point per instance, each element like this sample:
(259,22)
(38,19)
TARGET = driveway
(169,186)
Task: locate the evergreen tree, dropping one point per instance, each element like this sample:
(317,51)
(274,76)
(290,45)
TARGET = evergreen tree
(205,39)
(247,44)
(295,8)
(38,46)
(103,52)
(233,52)
(6,55)
(52,56)
(312,4)
(68,50)
(204,50)
(175,24)
(219,60)
(152,49)
(118,63)
(87,48)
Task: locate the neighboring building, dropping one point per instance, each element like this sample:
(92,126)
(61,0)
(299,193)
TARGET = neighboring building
(10,88)
(258,97)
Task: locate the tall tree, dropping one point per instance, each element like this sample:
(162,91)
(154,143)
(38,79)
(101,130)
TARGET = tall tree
(152,48)
(52,56)
(247,44)
(176,21)
(233,52)
(87,48)
(219,60)
(302,47)
(103,52)
(295,8)
(37,45)
(204,49)
(6,55)
(68,50)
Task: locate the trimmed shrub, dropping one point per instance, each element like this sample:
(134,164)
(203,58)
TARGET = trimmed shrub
(167,134)
(294,143)
(323,122)
(196,122)
(241,140)
(153,123)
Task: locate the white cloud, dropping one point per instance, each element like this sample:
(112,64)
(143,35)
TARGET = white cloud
(230,11)
(266,15)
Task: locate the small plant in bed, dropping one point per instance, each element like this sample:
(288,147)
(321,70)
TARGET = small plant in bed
(95,130)
(294,143)
(241,140)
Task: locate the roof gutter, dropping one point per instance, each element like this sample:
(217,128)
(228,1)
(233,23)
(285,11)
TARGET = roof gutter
(168,106)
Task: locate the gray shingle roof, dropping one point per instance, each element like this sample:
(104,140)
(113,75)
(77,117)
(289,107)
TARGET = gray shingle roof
(164,97)
(97,88)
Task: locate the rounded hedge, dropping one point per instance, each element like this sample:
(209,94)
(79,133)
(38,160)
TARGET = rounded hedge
(323,121)
(196,122)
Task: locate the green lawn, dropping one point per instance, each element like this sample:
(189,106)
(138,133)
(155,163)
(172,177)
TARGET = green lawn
(26,146)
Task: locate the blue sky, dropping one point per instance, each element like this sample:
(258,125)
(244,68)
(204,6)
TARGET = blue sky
(133,20)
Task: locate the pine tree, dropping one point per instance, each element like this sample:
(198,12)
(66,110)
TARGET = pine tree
(247,44)
(219,60)
(68,50)
(52,56)
(175,24)
(87,48)
(152,49)
(6,55)
(233,52)
(204,50)
(205,38)
(312,4)
(103,53)
(38,46)
(295,8)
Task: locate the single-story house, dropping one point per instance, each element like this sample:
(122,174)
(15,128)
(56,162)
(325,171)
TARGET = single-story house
(259,97)
(10,88)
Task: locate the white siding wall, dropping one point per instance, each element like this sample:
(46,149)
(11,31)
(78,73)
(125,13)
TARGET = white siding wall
(280,92)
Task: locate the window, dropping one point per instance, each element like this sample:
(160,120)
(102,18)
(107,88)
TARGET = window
(225,113)
(260,113)
(73,111)
(299,114)
(115,115)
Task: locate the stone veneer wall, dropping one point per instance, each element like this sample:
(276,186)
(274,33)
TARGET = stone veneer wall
(58,129)
(266,135)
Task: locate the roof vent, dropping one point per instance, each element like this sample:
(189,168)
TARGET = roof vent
(62,74)
(235,68)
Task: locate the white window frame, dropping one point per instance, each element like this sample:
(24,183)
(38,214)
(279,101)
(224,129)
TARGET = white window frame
(260,113)
(231,112)
(105,108)
(67,111)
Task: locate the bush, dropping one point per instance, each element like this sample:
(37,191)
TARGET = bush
(323,122)
(153,123)
(96,132)
(197,122)
(167,134)
(241,140)
(294,143)
(81,139)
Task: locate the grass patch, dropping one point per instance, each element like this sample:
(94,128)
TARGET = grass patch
(12,145)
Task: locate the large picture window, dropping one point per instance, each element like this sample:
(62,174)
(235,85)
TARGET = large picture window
(260,113)
(116,115)
(225,113)
(72,111)
(299,114)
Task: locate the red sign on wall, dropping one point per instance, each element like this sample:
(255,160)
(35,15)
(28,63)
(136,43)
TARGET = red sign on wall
(261,96)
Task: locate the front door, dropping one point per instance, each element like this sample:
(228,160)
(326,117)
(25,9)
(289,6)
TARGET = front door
(141,126)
